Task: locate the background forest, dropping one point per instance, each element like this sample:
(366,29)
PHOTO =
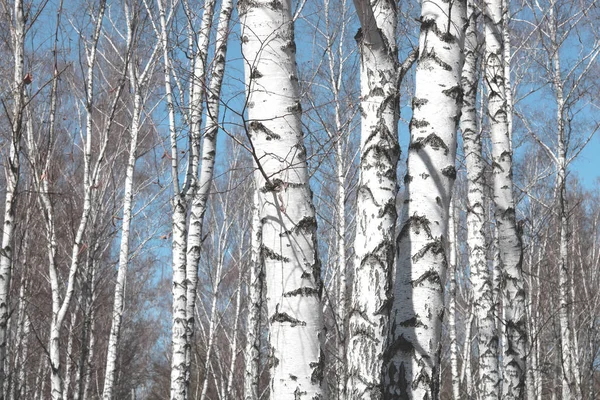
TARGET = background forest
(290,200)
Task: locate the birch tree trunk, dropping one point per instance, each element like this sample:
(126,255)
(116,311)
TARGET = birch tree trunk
(510,247)
(452,239)
(198,190)
(255,292)
(138,82)
(481,279)
(374,244)
(411,359)
(179,372)
(209,150)
(90,174)
(289,245)
(567,350)
(17,31)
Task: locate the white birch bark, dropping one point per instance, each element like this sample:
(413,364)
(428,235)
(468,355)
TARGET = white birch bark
(209,148)
(508,238)
(481,279)
(374,244)
(452,265)
(61,303)
(69,355)
(138,81)
(179,378)
(86,302)
(568,378)
(22,388)
(255,294)
(411,359)
(289,248)
(235,335)
(467,371)
(17,31)
(40,379)
(212,322)
(90,174)
(198,204)
(18,365)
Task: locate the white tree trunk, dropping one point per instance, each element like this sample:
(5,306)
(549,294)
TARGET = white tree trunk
(179,371)
(289,243)
(229,394)
(509,240)
(138,82)
(568,378)
(481,278)
(198,191)
(374,244)
(17,31)
(467,371)
(90,173)
(69,355)
(209,148)
(412,355)
(452,265)
(255,293)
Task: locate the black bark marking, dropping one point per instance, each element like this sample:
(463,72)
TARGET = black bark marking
(449,171)
(267,253)
(418,123)
(413,322)
(456,93)
(318,369)
(400,344)
(296,108)
(430,276)
(289,46)
(416,222)
(283,317)
(417,103)
(436,247)
(306,225)
(257,126)
(256,74)
(433,140)
(274,185)
(431,56)
(303,291)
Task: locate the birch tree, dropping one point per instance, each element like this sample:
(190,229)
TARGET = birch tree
(16,118)
(569,80)
(138,81)
(481,279)
(288,249)
(376,201)
(509,241)
(411,358)
(255,294)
